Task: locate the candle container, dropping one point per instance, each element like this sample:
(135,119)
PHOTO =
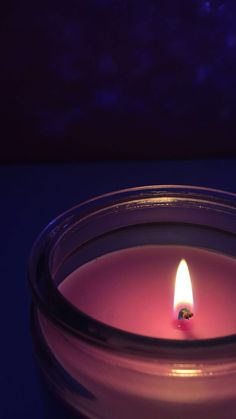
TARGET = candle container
(98,366)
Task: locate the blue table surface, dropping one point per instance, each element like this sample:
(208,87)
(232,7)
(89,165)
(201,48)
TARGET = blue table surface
(31,197)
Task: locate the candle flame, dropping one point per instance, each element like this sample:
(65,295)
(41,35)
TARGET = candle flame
(183,296)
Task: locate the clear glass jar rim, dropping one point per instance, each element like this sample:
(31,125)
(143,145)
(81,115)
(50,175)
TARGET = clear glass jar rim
(62,312)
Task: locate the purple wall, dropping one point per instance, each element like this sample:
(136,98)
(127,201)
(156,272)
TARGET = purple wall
(118,79)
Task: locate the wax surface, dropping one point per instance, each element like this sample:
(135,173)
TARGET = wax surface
(133,290)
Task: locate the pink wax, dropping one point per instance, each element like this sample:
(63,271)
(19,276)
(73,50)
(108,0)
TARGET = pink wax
(133,290)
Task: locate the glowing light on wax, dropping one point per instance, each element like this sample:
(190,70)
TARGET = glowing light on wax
(183,296)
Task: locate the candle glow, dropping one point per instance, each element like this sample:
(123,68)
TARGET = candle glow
(183,295)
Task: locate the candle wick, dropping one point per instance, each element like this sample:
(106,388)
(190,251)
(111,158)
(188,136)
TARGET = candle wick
(185,313)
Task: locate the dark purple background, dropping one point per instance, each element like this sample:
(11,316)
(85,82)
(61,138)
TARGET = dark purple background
(117,79)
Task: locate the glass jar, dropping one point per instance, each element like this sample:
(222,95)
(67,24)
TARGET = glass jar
(100,370)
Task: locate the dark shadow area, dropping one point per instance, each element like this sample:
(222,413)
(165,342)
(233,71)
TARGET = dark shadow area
(118,80)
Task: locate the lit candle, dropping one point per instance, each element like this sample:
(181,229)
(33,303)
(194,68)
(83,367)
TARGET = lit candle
(132,290)
(104,277)
(183,297)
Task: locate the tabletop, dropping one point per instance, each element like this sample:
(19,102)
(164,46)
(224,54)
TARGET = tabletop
(31,197)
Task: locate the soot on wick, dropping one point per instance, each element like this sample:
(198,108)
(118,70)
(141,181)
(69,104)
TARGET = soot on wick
(185,313)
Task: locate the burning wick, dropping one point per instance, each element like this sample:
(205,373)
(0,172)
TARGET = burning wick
(183,296)
(185,313)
